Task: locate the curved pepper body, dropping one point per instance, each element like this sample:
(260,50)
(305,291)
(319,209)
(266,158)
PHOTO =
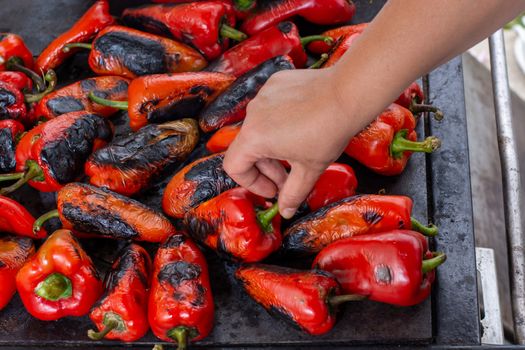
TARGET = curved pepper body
(194,184)
(280,40)
(88,209)
(74,97)
(15,219)
(195,24)
(130,164)
(14,252)
(351,216)
(180,296)
(126,296)
(166,97)
(96,18)
(320,47)
(10,130)
(17,79)
(131,53)
(12,105)
(298,297)
(12,45)
(385,267)
(412,94)
(340,47)
(61,254)
(230,106)
(229,225)
(221,140)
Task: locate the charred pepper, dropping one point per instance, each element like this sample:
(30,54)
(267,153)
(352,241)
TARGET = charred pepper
(131,53)
(130,164)
(237,224)
(180,304)
(15,219)
(320,47)
(94,211)
(393,267)
(352,216)
(166,97)
(53,153)
(230,106)
(122,312)
(14,252)
(95,19)
(10,132)
(222,138)
(59,280)
(194,184)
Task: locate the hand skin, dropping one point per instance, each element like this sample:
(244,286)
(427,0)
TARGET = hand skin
(307,117)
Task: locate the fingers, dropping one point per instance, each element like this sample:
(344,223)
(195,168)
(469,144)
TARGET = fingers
(273,170)
(300,182)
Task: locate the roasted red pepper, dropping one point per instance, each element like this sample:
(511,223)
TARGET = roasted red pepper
(180,304)
(92,211)
(12,45)
(207,26)
(387,143)
(393,267)
(131,53)
(237,224)
(95,19)
(130,164)
(14,252)
(15,219)
(74,97)
(10,132)
(320,47)
(194,184)
(12,104)
(222,138)
(230,106)
(166,97)
(280,40)
(413,98)
(324,12)
(53,153)
(305,299)
(351,216)
(59,280)
(18,79)
(122,312)
(337,182)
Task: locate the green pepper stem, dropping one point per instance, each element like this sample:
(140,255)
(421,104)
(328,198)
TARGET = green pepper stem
(265,217)
(56,286)
(68,47)
(33,171)
(37,225)
(417,108)
(243,5)
(11,176)
(400,144)
(123,105)
(320,61)
(180,334)
(232,33)
(16,64)
(429,231)
(337,300)
(51,79)
(309,39)
(430,264)
(158,347)
(108,327)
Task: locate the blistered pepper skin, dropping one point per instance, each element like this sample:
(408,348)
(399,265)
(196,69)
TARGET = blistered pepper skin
(320,47)
(12,104)
(10,131)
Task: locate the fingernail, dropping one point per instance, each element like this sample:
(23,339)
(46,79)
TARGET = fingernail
(287,213)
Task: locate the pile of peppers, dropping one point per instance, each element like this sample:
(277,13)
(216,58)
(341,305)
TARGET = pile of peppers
(181,74)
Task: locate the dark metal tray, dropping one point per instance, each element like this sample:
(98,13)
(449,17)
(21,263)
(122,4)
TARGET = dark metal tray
(439,185)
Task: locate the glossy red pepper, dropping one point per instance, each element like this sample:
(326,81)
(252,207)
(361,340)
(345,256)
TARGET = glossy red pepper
(10,132)
(12,45)
(237,224)
(15,219)
(95,19)
(386,144)
(352,216)
(337,182)
(323,12)
(53,153)
(12,104)
(207,26)
(180,304)
(122,312)
(14,251)
(320,47)
(305,299)
(18,79)
(222,138)
(393,267)
(59,280)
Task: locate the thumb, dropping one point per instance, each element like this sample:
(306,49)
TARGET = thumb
(298,185)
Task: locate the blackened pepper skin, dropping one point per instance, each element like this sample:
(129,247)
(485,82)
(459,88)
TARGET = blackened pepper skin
(128,165)
(8,136)
(194,184)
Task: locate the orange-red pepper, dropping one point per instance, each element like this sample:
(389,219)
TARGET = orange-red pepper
(59,280)
(12,104)
(320,47)
(237,224)
(180,304)
(351,216)
(19,79)
(14,251)
(13,46)
(96,18)
(122,312)
(10,132)
(222,138)
(15,219)
(393,267)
